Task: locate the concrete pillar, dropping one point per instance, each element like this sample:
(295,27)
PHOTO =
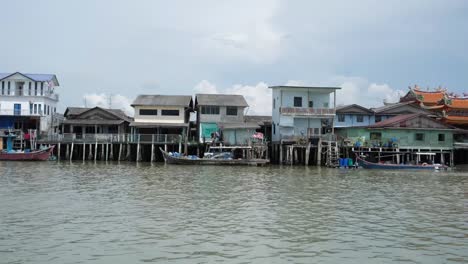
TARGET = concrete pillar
(152,153)
(280,153)
(111,146)
(90,154)
(58,151)
(107,152)
(120,151)
(102,152)
(307,154)
(95,151)
(84,151)
(67,152)
(319,152)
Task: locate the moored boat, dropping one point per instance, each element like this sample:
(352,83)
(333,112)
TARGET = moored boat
(36,155)
(220,159)
(371,165)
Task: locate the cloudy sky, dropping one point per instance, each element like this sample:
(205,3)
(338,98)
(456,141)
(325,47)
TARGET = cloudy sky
(373,49)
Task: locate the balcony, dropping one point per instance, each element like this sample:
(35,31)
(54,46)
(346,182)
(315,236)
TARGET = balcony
(19,112)
(52,96)
(307,112)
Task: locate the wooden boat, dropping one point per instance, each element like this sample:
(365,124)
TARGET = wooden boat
(36,155)
(371,165)
(215,160)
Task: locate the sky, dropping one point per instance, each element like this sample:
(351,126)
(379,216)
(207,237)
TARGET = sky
(118,49)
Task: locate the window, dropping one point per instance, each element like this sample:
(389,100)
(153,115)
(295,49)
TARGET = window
(42,88)
(148,112)
(30,109)
(210,110)
(360,118)
(441,137)
(3,88)
(375,136)
(325,105)
(30,85)
(341,118)
(297,101)
(48,110)
(8,91)
(35,108)
(378,118)
(166,112)
(274,129)
(40,109)
(231,110)
(311,104)
(419,137)
(55,110)
(274,103)
(35,88)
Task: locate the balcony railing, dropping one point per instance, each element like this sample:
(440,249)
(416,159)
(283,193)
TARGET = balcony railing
(112,138)
(52,96)
(19,112)
(307,111)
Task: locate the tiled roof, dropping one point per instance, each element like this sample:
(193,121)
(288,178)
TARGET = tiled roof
(429,97)
(456,120)
(459,103)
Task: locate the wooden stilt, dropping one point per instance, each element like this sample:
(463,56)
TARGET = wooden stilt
(152,152)
(95,151)
(120,151)
(71,151)
(129,152)
(319,152)
(102,152)
(67,152)
(138,152)
(107,152)
(84,151)
(58,151)
(111,155)
(307,154)
(280,153)
(90,154)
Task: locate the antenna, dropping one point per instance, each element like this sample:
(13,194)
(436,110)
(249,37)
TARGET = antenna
(110,101)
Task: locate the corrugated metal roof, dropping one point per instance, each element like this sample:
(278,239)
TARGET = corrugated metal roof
(221,100)
(38,77)
(344,108)
(163,100)
(261,120)
(157,124)
(92,122)
(389,106)
(393,120)
(75,111)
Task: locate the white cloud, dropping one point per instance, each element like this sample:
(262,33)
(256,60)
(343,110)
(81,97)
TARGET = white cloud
(116,101)
(257,96)
(358,90)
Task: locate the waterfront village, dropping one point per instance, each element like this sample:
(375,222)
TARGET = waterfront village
(306,126)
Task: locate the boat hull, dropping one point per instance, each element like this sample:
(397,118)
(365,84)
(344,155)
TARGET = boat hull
(370,165)
(231,162)
(39,155)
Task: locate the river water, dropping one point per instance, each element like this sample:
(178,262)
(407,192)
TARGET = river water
(54,212)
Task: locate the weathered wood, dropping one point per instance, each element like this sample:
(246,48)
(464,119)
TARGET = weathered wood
(138,158)
(111,155)
(280,153)
(107,152)
(67,152)
(84,151)
(71,151)
(102,152)
(152,153)
(95,151)
(120,152)
(307,155)
(90,154)
(58,151)
(319,152)
(129,152)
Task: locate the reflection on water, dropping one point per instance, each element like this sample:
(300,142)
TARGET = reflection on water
(127,213)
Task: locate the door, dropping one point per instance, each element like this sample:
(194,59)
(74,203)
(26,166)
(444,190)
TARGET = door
(17,109)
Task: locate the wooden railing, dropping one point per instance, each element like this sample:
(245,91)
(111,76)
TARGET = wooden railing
(112,138)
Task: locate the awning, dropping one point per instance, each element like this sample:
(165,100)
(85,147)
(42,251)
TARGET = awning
(153,124)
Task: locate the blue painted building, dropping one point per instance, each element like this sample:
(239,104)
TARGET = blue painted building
(353,115)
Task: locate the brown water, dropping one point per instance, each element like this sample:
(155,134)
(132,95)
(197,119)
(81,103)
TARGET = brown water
(127,213)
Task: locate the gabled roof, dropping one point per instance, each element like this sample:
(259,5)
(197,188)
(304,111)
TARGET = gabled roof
(221,100)
(77,111)
(261,120)
(163,100)
(389,107)
(33,77)
(353,108)
(403,118)
(457,103)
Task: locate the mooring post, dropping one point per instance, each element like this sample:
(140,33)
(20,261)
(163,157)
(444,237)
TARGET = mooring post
(71,152)
(307,154)
(90,154)
(111,146)
(281,153)
(152,147)
(58,151)
(95,151)
(107,151)
(319,152)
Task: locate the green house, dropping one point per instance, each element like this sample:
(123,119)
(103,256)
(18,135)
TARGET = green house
(410,131)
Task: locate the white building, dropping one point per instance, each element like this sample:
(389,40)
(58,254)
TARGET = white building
(28,101)
(161,114)
(302,112)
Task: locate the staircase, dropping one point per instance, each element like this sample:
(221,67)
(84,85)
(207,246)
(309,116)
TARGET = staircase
(332,153)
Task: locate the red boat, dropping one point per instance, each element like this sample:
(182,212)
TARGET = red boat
(42,154)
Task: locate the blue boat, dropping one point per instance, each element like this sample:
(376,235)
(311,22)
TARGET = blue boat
(371,165)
